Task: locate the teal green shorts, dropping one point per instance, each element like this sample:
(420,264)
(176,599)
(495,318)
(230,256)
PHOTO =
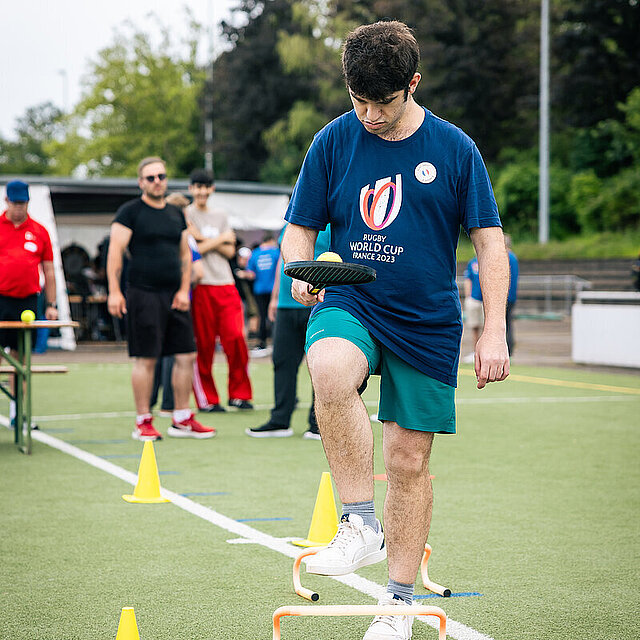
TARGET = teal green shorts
(407,396)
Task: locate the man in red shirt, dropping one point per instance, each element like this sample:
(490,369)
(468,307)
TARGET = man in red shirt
(24,246)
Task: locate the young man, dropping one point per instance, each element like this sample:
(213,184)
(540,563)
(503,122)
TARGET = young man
(217,308)
(157,301)
(395,182)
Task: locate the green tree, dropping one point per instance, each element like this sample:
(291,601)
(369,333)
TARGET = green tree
(287,142)
(28,154)
(140,99)
(251,88)
(597,59)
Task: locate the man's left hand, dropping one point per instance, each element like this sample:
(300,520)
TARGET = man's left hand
(492,359)
(181,301)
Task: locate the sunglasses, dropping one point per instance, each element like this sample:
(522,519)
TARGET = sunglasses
(160,176)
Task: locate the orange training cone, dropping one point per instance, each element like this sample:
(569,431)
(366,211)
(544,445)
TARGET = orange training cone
(324,522)
(148,488)
(127,629)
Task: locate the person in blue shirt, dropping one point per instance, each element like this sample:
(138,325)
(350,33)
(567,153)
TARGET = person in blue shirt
(290,324)
(262,269)
(395,182)
(473,313)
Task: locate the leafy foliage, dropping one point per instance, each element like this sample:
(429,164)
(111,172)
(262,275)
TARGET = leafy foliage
(139,100)
(35,129)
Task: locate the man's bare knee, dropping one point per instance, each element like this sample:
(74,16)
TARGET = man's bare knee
(406,452)
(337,368)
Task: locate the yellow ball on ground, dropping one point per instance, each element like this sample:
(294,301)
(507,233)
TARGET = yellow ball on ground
(329,256)
(27,316)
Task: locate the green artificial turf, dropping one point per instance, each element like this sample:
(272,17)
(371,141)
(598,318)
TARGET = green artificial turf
(536,508)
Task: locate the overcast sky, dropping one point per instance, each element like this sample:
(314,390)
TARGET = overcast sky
(47,44)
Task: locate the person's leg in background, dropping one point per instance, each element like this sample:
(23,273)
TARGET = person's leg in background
(511,338)
(166,373)
(205,328)
(262,300)
(288,351)
(231,330)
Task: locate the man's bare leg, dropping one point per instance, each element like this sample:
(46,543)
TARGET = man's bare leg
(337,369)
(142,383)
(409,500)
(181,379)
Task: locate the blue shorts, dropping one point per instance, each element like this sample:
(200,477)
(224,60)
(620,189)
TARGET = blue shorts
(407,396)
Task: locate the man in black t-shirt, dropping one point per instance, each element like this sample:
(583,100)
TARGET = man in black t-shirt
(157,298)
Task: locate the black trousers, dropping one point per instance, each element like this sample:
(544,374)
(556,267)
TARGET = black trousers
(262,300)
(511,338)
(288,351)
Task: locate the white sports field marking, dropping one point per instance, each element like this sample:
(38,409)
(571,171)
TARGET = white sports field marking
(455,630)
(370,403)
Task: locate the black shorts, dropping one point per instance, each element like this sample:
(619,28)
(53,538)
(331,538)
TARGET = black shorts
(11,309)
(154,329)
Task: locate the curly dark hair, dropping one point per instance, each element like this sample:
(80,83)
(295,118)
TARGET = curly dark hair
(379,59)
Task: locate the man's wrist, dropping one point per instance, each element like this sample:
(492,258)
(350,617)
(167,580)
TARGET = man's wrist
(53,305)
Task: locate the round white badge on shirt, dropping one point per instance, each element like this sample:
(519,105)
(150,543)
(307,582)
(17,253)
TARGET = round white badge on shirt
(425,172)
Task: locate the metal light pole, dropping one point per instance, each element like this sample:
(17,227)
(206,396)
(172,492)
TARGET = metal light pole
(208,109)
(65,89)
(543,185)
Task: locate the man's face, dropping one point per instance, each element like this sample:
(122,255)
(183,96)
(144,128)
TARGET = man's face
(153,181)
(16,211)
(383,116)
(200,193)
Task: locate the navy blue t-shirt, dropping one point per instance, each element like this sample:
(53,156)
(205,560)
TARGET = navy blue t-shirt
(398,207)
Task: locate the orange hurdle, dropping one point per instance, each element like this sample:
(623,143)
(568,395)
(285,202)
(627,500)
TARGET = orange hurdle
(314,597)
(361,610)
(429,584)
(300,590)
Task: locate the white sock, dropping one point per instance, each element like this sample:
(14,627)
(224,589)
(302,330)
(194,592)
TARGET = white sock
(142,417)
(180,415)
(12,409)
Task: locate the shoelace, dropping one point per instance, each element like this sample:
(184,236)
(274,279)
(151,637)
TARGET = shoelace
(346,531)
(391,621)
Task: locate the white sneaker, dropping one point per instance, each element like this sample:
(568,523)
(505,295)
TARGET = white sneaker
(390,627)
(470,358)
(355,545)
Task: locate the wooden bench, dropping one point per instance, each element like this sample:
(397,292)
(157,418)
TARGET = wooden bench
(38,368)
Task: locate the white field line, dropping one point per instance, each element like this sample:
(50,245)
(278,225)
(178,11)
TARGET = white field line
(455,630)
(369,403)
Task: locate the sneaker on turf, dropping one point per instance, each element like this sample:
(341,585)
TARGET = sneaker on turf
(312,433)
(146,431)
(390,627)
(270,431)
(355,545)
(240,404)
(212,408)
(190,428)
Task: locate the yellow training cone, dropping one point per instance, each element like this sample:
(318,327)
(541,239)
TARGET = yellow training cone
(148,488)
(128,629)
(324,522)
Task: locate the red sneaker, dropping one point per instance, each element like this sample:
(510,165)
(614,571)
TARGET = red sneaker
(146,431)
(190,428)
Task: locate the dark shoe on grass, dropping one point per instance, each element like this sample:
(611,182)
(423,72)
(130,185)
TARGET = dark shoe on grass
(270,431)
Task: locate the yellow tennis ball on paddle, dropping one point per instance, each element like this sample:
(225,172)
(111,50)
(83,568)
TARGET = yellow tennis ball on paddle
(329,256)
(27,316)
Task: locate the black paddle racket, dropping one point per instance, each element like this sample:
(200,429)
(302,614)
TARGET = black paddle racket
(320,274)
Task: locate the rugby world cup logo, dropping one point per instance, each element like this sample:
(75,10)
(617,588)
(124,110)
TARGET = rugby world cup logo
(380,206)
